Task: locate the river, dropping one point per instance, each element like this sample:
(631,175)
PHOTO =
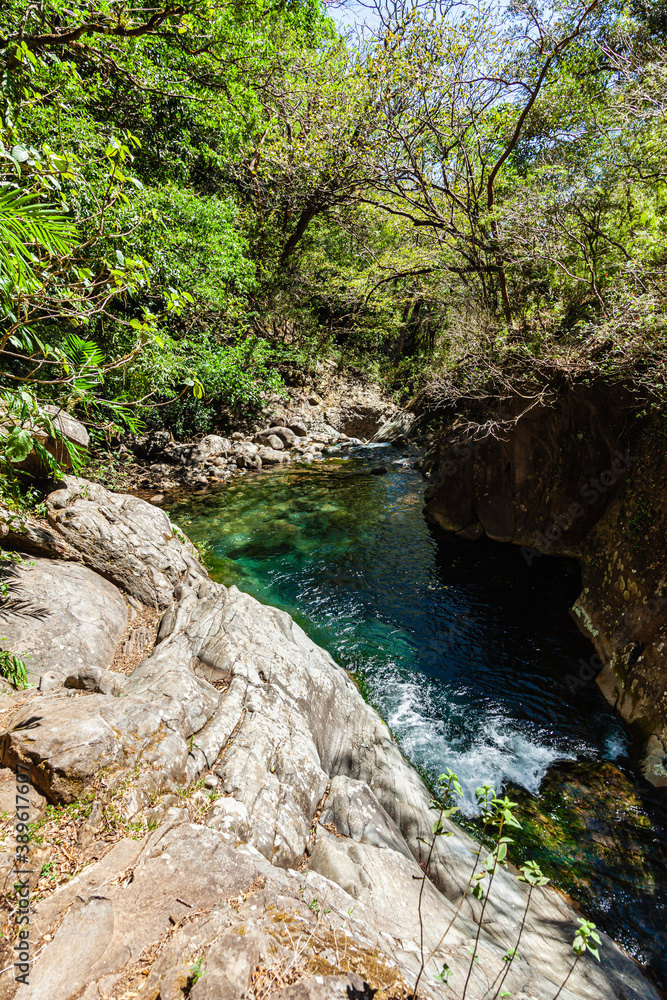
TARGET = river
(470,656)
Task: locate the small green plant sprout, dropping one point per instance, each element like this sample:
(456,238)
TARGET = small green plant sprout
(448,785)
(586,939)
(196,972)
(48,871)
(499,813)
(314,906)
(484,795)
(444,975)
(532,875)
(12,668)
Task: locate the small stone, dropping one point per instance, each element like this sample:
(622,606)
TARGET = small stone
(50,681)
(287,436)
(249,462)
(210,781)
(269,456)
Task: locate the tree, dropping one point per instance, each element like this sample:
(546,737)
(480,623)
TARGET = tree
(458,92)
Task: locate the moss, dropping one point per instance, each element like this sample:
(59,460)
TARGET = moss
(587,827)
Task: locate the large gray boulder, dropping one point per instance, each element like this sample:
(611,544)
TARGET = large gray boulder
(286,435)
(211,446)
(68,429)
(69,426)
(188,897)
(395,427)
(124,539)
(71,741)
(61,616)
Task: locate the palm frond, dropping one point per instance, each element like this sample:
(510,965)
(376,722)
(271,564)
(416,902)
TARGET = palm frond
(28,225)
(11,602)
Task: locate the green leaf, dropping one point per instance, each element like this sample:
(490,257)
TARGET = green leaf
(26,223)
(18,444)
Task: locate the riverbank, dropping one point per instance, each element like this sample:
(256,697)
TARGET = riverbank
(233,754)
(467,653)
(294,427)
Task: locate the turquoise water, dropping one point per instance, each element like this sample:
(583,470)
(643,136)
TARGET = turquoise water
(467,652)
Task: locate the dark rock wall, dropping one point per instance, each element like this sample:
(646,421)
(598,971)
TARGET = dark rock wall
(536,472)
(585,476)
(623,604)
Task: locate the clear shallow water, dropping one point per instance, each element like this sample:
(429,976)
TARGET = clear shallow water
(467,652)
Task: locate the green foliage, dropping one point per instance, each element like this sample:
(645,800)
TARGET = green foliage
(586,939)
(196,972)
(234,377)
(27,427)
(12,668)
(499,813)
(193,243)
(25,223)
(454,193)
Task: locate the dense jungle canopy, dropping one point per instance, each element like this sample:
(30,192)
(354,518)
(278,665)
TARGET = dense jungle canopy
(200,200)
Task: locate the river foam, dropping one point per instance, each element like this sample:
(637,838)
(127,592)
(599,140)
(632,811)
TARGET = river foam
(481,747)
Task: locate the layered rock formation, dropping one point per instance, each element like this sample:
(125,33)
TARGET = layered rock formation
(275,837)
